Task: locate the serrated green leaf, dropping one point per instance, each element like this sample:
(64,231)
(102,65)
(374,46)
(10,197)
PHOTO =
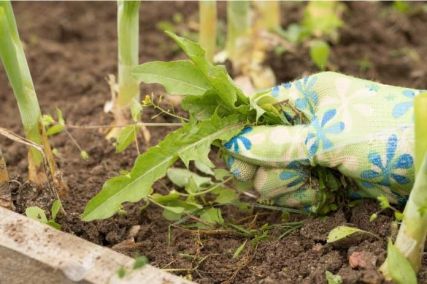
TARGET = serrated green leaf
(217,76)
(212,216)
(342,232)
(56,206)
(399,267)
(178,77)
(153,164)
(36,213)
(181,177)
(125,137)
(319,53)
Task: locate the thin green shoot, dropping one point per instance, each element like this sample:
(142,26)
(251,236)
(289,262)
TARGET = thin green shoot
(208,27)
(38,214)
(14,61)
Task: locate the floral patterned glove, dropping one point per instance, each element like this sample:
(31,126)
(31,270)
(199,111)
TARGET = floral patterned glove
(361,128)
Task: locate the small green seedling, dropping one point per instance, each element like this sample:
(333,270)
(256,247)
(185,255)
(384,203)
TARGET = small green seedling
(38,214)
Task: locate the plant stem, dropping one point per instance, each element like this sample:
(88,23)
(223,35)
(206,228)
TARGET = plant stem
(128,53)
(268,14)
(238,33)
(208,27)
(412,232)
(13,58)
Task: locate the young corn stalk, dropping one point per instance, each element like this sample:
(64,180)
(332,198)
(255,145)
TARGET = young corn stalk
(208,27)
(13,58)
(127,98)
(412,232)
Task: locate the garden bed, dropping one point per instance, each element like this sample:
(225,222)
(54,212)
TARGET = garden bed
(72,49)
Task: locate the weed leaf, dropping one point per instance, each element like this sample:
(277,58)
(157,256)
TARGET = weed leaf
(178,77)
(188,143)
(216,75)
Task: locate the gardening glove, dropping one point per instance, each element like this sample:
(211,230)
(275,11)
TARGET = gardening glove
(361,128)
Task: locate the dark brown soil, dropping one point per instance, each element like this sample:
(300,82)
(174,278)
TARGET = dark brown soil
(71,48)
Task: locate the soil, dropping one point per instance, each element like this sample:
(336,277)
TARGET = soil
(71,48)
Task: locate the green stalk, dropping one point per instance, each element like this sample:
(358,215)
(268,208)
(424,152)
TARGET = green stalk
(13,58)
(413,230)
(208,27)
(268,16)
(238,33)
(128,53)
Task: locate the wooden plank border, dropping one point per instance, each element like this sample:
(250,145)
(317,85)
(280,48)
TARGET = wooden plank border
(31,252)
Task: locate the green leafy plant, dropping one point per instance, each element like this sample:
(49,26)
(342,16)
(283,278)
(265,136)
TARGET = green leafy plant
(218,111)
(38,214)
(127,96)
(413,229)
(15,63)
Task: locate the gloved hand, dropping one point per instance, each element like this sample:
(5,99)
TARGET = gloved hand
(361,128)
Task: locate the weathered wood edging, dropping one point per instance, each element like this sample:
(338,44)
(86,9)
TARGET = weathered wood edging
(31,252)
